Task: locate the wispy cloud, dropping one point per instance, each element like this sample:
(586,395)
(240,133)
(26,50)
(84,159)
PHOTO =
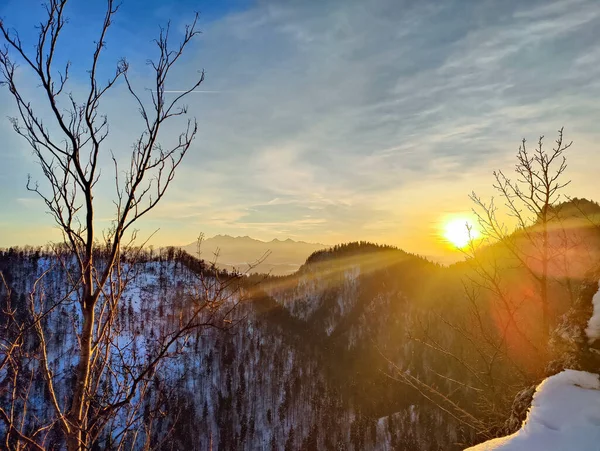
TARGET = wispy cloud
(347,120)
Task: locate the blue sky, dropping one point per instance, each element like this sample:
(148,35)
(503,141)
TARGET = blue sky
(337,120)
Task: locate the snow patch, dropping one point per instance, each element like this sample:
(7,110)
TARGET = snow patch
(564,416)
(593,329)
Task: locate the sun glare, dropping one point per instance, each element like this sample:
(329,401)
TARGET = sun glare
(456,232)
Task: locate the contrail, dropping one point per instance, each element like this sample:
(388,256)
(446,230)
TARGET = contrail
(201,92)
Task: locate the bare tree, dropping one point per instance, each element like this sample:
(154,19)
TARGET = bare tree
(530,200)
(97,273)
(497,346)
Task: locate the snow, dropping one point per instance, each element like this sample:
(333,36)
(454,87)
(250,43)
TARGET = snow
(564,416)
(593,329)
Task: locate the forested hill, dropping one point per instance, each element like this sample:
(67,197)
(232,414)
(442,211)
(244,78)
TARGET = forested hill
(279,379)
(357,350)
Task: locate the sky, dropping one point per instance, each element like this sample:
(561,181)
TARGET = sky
(330,121)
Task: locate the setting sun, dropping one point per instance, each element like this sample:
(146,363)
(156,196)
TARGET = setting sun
(457,233)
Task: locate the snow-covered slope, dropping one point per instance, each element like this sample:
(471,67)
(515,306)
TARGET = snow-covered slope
(593,329)
(564,416)
(299,371)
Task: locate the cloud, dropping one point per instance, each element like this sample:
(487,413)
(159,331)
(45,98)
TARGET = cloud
(329,114)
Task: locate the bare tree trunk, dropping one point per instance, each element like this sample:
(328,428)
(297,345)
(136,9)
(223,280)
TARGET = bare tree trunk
(76,437)
(544,276)
(79,405)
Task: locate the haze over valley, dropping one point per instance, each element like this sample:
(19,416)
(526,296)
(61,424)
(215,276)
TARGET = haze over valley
(246,254)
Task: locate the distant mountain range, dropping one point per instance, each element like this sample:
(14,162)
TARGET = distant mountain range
(287,256)
(282,256)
